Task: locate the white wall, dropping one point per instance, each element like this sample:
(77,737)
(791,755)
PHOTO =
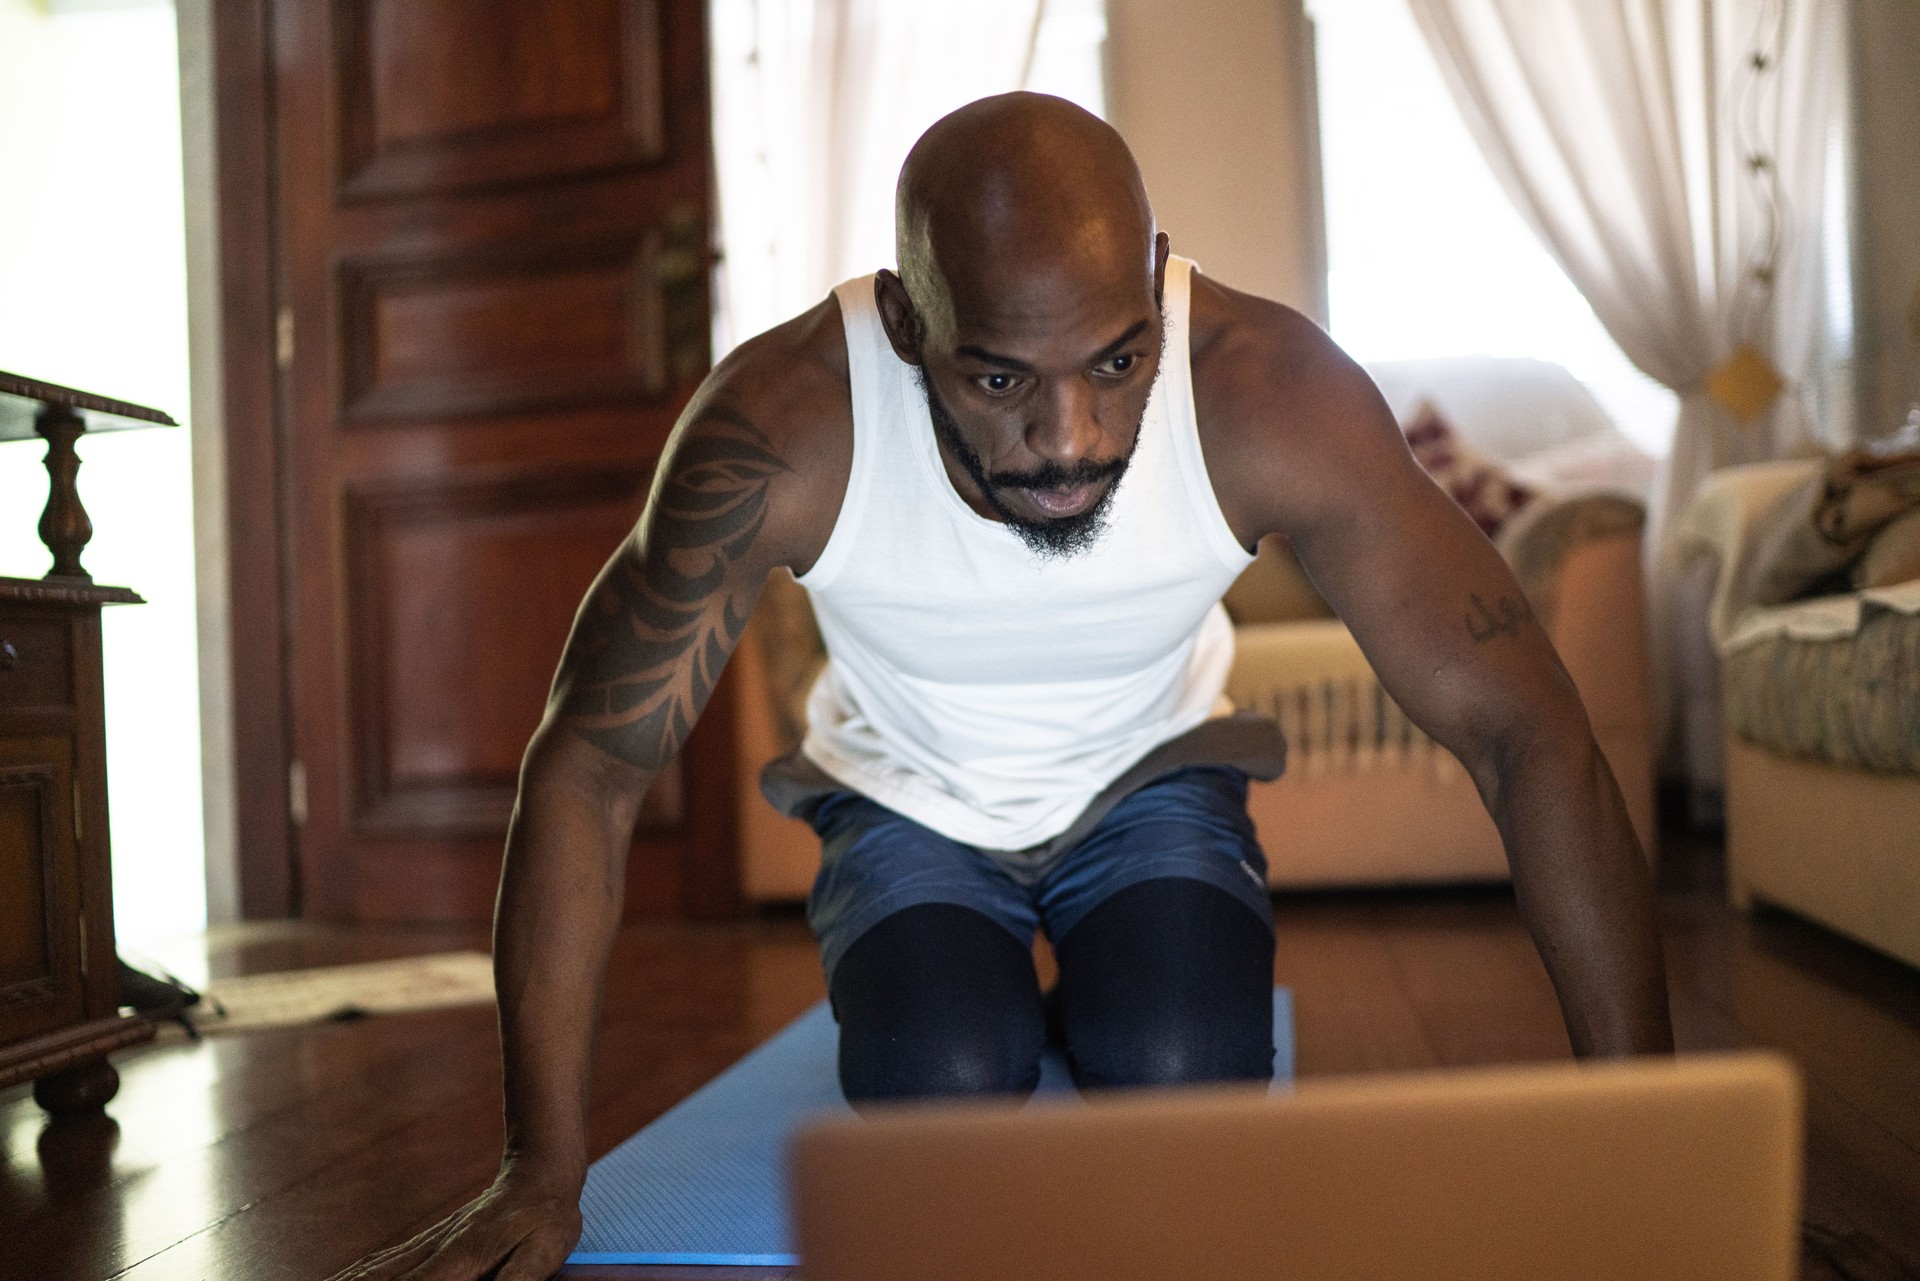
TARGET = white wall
(94,296)
(220,814)
(1215,97)
(1886,52)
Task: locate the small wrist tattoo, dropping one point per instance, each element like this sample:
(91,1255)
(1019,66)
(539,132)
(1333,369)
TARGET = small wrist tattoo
(1502,618)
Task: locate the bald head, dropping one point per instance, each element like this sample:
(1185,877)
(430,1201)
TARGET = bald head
(1028,303)
(1019,192)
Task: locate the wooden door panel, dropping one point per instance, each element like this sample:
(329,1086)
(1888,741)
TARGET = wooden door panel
(40,987)
(527,326)
(486,362)
(453,95)
(459,598)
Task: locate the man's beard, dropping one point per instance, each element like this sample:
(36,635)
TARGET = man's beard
(1048,539)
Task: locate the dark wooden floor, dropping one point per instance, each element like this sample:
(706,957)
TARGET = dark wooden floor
(285,1155)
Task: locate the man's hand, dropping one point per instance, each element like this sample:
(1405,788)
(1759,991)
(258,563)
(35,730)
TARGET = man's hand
(520,1229)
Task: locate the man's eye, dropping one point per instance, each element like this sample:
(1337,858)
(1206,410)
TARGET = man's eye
(1117,364)
(996,384)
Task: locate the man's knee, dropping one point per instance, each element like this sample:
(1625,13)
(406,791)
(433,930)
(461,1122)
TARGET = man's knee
(1168,982)
(1173,1047)
(935,1062)
(937,1001)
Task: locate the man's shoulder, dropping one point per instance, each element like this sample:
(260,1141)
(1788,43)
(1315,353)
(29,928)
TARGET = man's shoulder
(1258,363)
(1286,417)
(791,379)
(784,395)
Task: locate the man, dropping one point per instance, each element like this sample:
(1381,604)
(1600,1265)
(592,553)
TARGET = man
(1016,478)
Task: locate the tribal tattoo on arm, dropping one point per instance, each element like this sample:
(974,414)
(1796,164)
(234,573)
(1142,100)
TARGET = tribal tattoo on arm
(659,625)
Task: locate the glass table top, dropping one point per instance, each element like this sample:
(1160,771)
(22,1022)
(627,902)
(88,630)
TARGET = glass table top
(21,399)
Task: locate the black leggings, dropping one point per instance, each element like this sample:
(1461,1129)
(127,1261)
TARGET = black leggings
(1167,982)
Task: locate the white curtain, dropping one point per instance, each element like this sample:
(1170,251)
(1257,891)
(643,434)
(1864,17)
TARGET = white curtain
(1627,132)
(815,105)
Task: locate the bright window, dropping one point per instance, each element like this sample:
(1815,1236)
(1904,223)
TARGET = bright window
(1066,53)
(1426,255)
(93,295)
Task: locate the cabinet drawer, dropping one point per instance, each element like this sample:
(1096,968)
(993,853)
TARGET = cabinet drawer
(36,662)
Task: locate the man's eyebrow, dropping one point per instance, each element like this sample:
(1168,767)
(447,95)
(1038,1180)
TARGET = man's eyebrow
(986,357)
(1113,348)
(1107,352)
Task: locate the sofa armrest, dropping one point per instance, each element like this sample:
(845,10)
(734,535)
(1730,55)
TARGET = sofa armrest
(1724,523)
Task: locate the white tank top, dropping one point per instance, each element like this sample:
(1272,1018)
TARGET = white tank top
(975,688)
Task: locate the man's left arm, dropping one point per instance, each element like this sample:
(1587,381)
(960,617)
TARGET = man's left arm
(1446,627)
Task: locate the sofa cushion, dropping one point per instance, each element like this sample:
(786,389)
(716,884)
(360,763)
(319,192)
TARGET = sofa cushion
(1509,407)
(1611,464)
(1849,700)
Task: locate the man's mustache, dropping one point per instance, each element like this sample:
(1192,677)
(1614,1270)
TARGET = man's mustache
(1053,475)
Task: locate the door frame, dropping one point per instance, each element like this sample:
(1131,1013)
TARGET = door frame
(238,518)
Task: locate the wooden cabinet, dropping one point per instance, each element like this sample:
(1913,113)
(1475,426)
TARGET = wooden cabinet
(59,983)
(59,975)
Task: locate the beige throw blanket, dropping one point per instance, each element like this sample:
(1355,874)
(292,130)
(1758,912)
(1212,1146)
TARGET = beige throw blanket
(1854,525)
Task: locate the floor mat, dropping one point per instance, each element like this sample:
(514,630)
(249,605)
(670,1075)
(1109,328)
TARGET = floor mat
(705,1184)
(292,997)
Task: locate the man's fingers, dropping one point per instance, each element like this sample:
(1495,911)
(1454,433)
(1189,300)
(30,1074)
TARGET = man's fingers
(392,1261)
(499,1230)
(536,1258)
(465,1255)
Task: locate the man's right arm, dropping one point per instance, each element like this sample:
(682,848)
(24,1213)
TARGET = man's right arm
(649,643)
(738,491)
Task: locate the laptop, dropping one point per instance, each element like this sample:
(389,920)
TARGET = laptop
(1646,1170)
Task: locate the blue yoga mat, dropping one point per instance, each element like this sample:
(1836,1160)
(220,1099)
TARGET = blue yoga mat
(706,1182)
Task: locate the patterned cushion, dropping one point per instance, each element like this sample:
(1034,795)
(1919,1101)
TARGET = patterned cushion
(1485,490)
(1852,700)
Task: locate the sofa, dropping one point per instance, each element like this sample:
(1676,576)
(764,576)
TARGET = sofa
(1367,798)
(1821,708)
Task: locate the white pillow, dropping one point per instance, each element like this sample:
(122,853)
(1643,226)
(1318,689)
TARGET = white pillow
(1509,407)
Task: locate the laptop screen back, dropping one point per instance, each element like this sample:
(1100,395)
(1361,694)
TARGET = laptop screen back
(1679,1170)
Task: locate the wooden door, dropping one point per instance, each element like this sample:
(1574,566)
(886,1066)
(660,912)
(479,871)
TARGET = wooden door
(492,261)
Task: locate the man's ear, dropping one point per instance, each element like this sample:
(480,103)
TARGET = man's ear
(897,315)
(1161,248)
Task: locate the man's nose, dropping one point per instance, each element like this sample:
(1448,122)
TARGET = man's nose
(1065,430)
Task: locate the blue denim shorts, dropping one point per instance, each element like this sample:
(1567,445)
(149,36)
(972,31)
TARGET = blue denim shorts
(1191,823)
